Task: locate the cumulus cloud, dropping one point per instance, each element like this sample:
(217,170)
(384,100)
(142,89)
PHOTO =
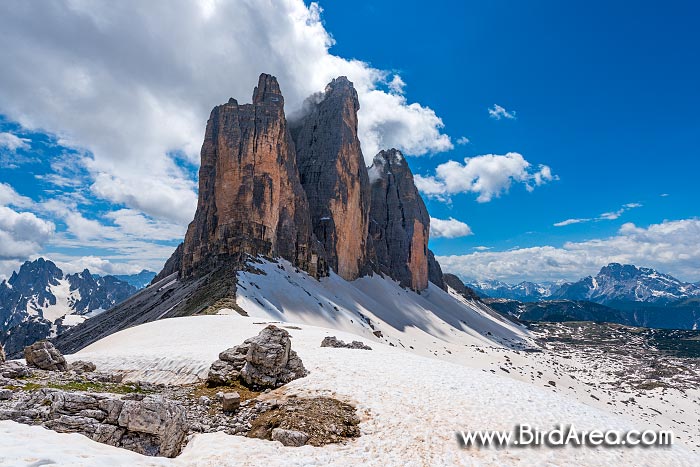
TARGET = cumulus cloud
(12,142)
(22,234)
(671,246)
(606,216)
(463,140)
(448,228)
(488,176)
(132,84)
(497,112)
(95,265)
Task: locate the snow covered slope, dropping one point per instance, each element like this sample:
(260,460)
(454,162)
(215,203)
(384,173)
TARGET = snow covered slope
(426,322)
(410,406)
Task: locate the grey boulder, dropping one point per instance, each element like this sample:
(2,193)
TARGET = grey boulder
(265,360)
(81,366)
(290,437)
(45,356)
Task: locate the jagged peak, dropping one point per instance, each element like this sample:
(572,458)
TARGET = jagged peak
(393,156)
(267,91)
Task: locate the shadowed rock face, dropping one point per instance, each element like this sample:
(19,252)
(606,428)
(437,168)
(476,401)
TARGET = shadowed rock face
(400,225)
(334,176)
(435,271)
(250,197)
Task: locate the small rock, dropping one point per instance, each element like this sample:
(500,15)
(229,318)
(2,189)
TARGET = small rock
(231,401)
(45,356)
(204,400)
(332,341)
(5,394)
(219,395)
(81,366)
(290,437)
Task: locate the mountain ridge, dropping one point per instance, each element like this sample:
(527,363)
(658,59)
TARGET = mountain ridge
(40,301)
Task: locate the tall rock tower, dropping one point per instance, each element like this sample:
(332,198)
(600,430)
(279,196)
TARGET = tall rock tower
(250,197)
(334,176)
(400,225)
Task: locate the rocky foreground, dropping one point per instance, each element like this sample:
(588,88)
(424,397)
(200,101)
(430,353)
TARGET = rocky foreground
(156,420)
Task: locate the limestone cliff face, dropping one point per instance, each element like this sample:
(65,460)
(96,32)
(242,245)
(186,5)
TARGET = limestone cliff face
(250,197)
(334,177)
(399,222)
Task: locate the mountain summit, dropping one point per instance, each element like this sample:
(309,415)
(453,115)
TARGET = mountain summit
(302,192)
(627,283)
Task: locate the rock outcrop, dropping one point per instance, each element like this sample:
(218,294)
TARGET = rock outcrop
(14,370)
(148,425)
(2,354)
(399,222)
(333,173)
(332,341)
(45,356)
(265,361)
(250,199)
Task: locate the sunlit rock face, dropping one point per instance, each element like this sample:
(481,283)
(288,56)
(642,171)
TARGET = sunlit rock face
(250,198)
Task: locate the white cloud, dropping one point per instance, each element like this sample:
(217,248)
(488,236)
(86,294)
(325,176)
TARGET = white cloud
(482,248)
(13,142)
(671,246)
(397,84)
(448,228)
(570,222)
(9,197)
(488,176)
(606,216)
(132,82)
(22,234)
(497,112)
(95,265)
(463,140)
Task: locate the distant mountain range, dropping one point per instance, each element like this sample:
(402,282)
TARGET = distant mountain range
(623,294)
(524,291)
(614,283)
(140,280)
(40,301)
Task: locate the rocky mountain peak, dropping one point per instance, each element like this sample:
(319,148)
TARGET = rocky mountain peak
(267,91)
(334,176)
(302,192)
(400,224)
(250,199)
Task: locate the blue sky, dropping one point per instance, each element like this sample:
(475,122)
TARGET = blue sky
(604,94)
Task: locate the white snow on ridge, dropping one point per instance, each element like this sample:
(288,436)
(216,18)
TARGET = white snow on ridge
(65,302)
(426,323)
(410,407)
